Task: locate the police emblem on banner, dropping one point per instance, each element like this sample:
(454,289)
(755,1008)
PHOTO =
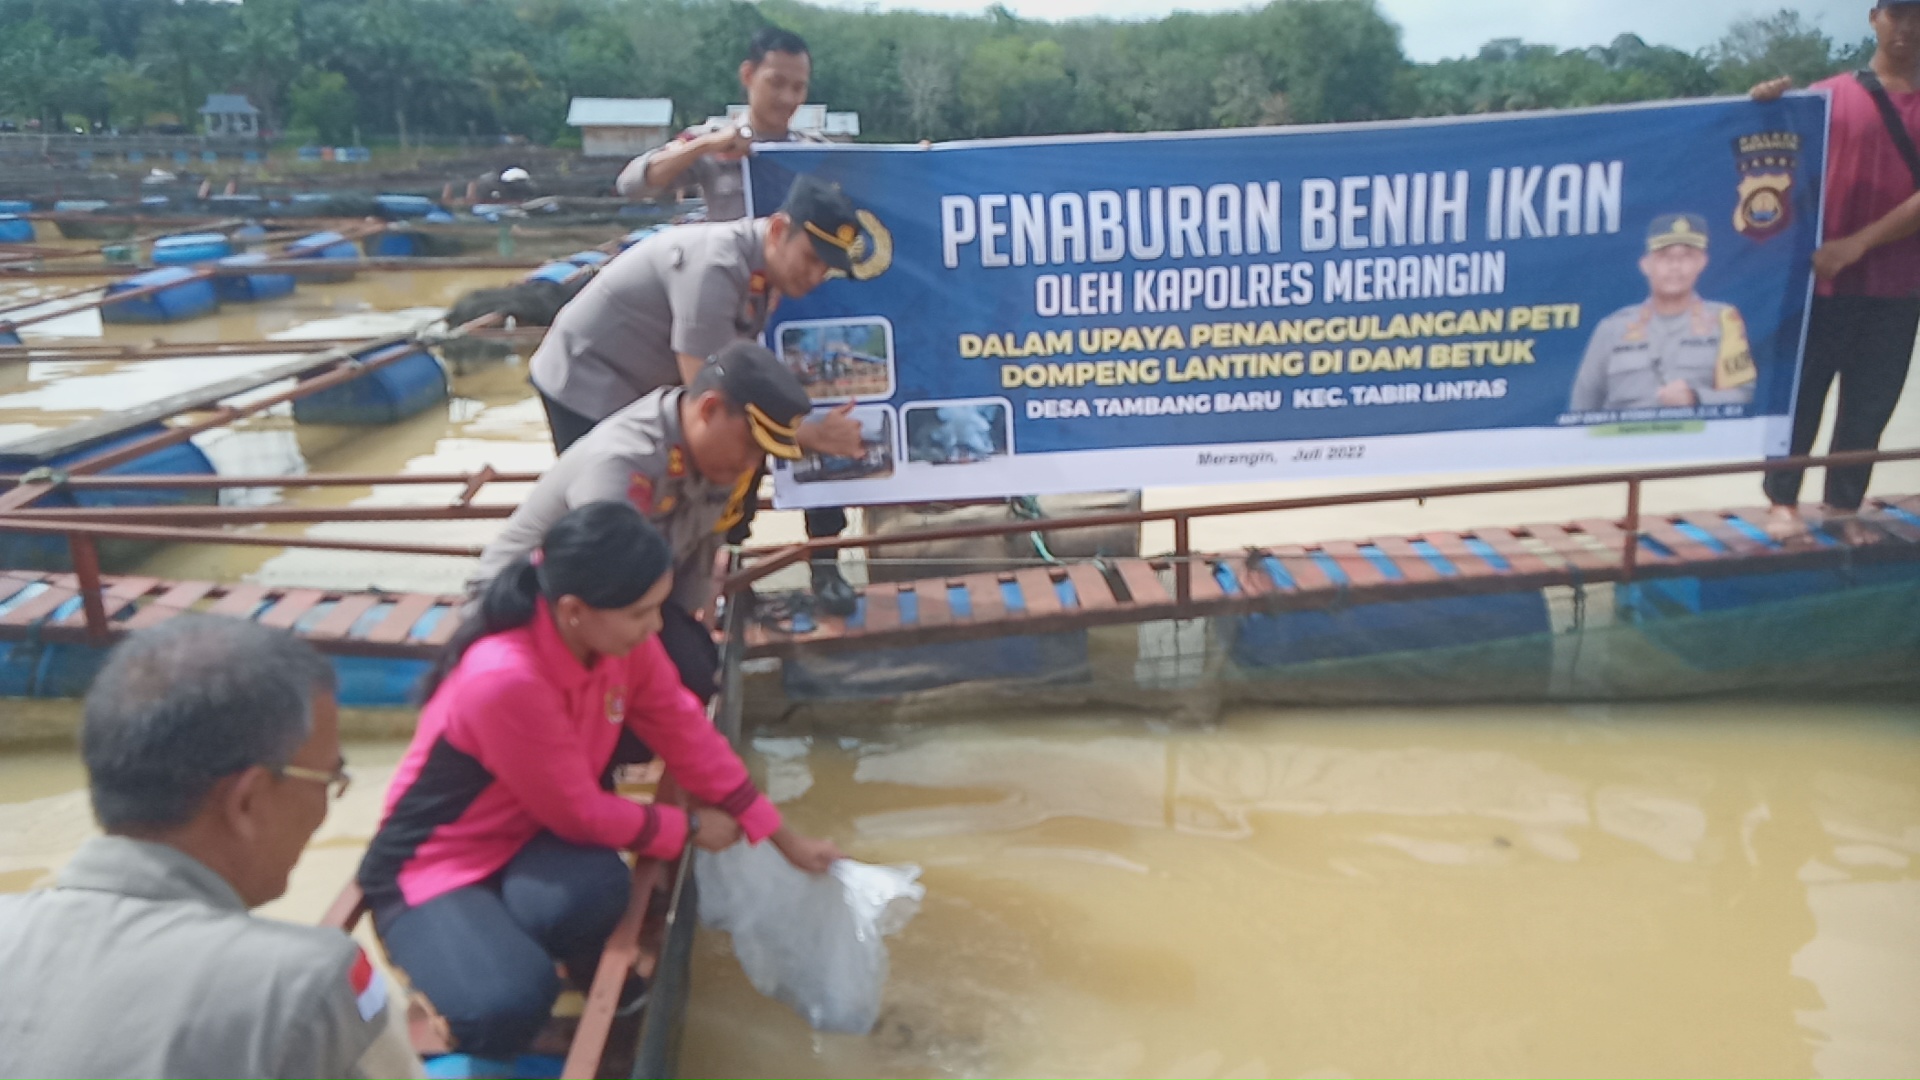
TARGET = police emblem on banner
(1767,162)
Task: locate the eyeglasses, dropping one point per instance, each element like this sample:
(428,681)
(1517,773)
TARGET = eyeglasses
(339,779)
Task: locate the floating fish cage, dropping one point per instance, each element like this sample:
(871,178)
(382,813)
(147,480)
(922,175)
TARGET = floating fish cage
(179,294)
(326,245)
(251,288)
(24,551)
(191,248)
(391,392)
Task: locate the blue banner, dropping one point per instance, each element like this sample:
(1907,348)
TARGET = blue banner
(1601,287)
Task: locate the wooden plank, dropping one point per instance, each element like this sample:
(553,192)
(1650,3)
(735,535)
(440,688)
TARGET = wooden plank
(1563,544)
(293,604)
(1509,547)
(1714,524)
(398,623)
(39,607)
(1453,547)
(1414,566)
(1091,588)
(1661,531)
(883,608)
(1202,586)
(934,609)
(1359,569)
(1305,571)
(11,585)
(1143,583)
(335,624)
(1900,530)
(239,602)
(1036,588)
(983,591)
(617,960)
(1609,533)
(179,597)
(115,596)
(443,630)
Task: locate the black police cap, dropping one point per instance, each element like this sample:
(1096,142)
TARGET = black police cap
(820,209)
(774,401)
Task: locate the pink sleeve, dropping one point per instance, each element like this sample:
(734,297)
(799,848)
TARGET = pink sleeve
(667,717)
(516,725)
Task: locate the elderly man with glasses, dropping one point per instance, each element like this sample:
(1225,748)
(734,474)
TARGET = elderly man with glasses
(211,747)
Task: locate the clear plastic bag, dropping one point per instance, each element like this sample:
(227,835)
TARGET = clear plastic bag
(811,942)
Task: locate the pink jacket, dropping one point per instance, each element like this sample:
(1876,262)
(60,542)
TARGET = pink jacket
(515,740)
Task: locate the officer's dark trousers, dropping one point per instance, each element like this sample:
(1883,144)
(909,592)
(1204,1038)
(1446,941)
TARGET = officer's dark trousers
(566,425)
(1865,343)
(484,955)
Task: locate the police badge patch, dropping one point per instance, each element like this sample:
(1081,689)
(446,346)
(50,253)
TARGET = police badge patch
(1767,162)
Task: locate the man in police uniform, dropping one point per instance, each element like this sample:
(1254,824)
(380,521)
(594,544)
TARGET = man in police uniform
(653,315)
(211,746)
(1675,350)
(687,458)
(775,75)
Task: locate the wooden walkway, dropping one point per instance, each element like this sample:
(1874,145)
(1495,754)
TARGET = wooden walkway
(1043,599)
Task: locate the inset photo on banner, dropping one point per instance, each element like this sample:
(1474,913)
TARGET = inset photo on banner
(840,359)
(958,432)
(875,463)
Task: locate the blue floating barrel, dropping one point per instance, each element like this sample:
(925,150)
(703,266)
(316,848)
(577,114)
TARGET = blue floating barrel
(154,200)
(190,248)
(638,235)
(15,229)
(404,206)
(79,206)
(557,272)
(393,392)
(8,336)
(21,551)
(438,217)
(246,234)
(184,294)
(251,288)
(325,245)
(394,244)
(15,206)
(587,258)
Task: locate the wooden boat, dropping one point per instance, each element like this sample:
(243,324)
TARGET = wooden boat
(653,940)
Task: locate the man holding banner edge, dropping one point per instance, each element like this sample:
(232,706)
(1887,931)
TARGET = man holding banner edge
(1867,306)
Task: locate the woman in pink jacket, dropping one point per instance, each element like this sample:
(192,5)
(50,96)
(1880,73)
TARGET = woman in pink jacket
(498,853)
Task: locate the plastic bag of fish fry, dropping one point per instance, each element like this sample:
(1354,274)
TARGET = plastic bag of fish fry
(811,942)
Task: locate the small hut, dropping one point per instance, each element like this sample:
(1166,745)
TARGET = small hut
(620,127)
(230,116)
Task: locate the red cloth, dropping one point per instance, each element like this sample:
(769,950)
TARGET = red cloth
(1866,179)
(544,727)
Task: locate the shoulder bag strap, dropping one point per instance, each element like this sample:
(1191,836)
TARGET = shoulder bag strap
(1890,116)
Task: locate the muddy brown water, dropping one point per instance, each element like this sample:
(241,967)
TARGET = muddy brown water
(1701,888)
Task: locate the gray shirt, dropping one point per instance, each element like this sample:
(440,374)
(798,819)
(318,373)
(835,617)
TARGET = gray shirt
(141,961)
(722,183)
(638,454)
(688,289)
(1634,352)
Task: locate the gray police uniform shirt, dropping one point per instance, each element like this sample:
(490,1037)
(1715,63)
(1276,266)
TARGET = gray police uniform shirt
(637,454)
(1634,352)
(689,289)
(141,961)
(722,183)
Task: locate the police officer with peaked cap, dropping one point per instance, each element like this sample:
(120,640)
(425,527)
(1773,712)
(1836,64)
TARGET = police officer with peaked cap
(1675,349)
(654,313)
(688,458)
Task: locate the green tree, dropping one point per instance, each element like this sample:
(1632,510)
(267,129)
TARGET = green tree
(1755,50)
(321,102)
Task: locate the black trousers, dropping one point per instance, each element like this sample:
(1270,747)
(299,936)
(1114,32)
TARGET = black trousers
(1865,343)
(566,425)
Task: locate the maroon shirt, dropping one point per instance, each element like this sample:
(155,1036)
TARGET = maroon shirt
(1866,180)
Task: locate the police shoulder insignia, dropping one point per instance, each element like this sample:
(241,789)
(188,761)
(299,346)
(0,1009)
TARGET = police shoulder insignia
(676,462)
(1767,162)
(640,491)
(1734,364)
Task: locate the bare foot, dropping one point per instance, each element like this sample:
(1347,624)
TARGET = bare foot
(1853,531)
(1784,524)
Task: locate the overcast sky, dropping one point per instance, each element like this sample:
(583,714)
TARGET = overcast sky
(1436,29)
